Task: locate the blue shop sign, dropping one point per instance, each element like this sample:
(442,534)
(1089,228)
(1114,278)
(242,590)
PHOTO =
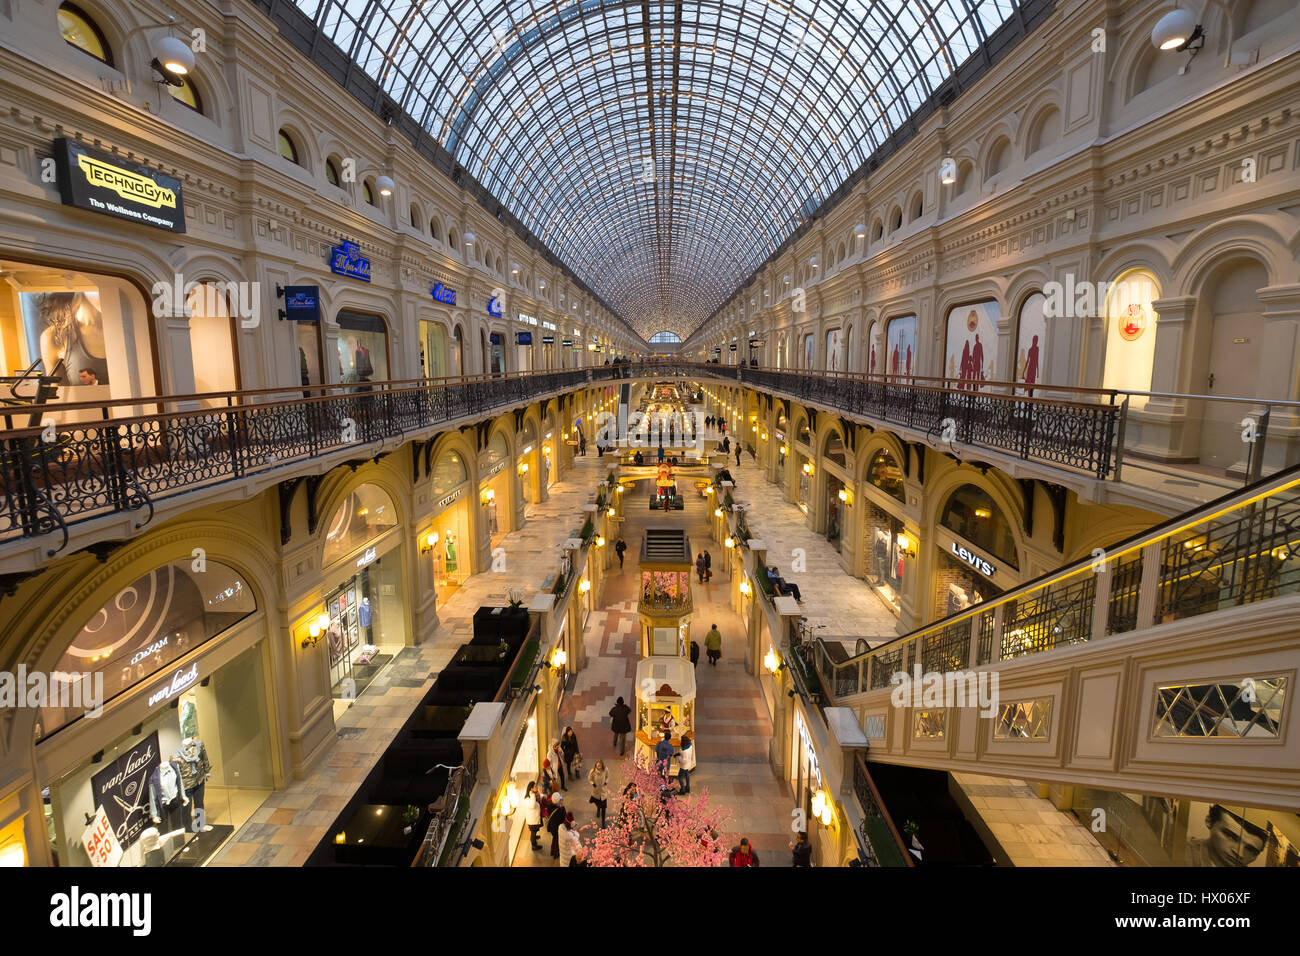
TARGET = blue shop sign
(523,338)
(494,308)
(301,303)
(346,260)
(444,294)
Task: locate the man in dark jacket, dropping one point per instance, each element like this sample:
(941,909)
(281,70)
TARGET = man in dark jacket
(621,724)
(553,824)
(744,854)
(801,850)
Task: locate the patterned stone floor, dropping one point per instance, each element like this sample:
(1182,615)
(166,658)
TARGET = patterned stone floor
(733,729)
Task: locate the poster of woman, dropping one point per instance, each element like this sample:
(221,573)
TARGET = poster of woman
(66,329)
(971,355)
(1031,341)
(875,350)
(833,350)
(901,347)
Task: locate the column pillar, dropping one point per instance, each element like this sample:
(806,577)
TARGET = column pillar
(1163,423)
(1279,371)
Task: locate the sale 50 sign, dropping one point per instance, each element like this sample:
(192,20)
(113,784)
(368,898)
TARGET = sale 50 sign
(101,842)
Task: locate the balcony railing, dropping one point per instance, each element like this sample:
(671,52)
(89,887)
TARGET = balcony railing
(881,838)
(1238,550)
(65,472)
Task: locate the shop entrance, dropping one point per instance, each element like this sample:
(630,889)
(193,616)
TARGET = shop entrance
(835,510)
(214,342)
(886,545)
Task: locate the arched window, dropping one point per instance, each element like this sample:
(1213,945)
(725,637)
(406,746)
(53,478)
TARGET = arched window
(971,513)
(415,218)
(884,473)
(84,33)
(998,157)
(365,514)
(332,173)
(877,230)
(149,624)
(835,449)
(449,473)
(368,191)
(187,94)
(451,240)
(664,337)
(498,450)
(804,434)
(918,206)
(289,149)
(435,231)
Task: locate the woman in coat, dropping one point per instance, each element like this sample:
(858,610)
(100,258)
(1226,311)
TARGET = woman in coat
(599,778)
(568,839)
(569,747)
(532,814)
(685,763)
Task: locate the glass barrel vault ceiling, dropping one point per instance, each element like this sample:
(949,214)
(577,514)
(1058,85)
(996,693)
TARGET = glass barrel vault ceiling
(662,150)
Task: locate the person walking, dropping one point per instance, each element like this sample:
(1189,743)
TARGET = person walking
(744,854)
(708,567)
(553,823)
(695,653)
(699,567)
(619,549)
(664,754)
(599,780)
(737,454)
(726,445)
(570,749)
(621,724)
(713,645)
(548,778)
(582,445)
(532,814)
(801,850)
(685,763)
(568,839)
(558,763)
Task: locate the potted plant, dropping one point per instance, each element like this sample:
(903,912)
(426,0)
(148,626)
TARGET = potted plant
(410,816)
(503,648)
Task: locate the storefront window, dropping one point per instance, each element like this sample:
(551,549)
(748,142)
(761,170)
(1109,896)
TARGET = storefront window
(835,450)
(957,587)
(884,473)
(433,349)
(74,337)
(365,514)
(367,623)
(496,354)
(971,513)
(147,626)
(449,474)
(178,786)
(885,555)
(362,347)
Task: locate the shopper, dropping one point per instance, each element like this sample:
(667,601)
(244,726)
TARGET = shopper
(619,549)
(558,763)
(582,445)
(744,854)
(599,779)
(664,754)
(553,823)
(569,747)
(708,566)
(737,454)
(699,567)
(621,724)
(568,839)
(695,653)
(726,445)
(532,814)
(548,778)
(713,645)
(801,850)
(685,763)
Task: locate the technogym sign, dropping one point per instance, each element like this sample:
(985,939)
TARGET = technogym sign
(101,182)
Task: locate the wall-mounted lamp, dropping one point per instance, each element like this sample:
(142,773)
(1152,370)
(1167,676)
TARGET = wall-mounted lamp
(523,468)
(807,468)
(559,658)
(717,512)
(611,512)
(844,495)
(771,661)
(489,495)
(600,541)
(385,185)
(708,489)
(730,542)
(428,542)
(584,586)
(316,630)
(905,545)
(823,807)
(745,589)
(784,450)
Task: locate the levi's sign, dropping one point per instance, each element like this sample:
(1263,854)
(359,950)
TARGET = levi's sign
(100,182)
(974,560)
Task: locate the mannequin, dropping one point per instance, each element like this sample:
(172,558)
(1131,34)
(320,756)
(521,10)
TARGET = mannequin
(195,768)
(451,554)
(364,612)
(167,796)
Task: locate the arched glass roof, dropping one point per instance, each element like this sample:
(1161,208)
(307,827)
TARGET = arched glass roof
(662,150)
(664,337)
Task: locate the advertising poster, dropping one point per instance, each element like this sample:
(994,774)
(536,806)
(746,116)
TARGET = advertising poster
(901,346)
(1235,836)
(834,345)
(876,349)
(1031,341)
(808,351)
(122,790)
(971,355)
(67,328)
(1130,334)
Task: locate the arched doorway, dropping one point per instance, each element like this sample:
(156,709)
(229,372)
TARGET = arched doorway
(495,487)
(1236,332)
(447,539)
(214,338)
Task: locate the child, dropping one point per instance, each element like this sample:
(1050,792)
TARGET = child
(576,764)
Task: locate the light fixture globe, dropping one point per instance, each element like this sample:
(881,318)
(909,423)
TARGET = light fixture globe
(385,185)
(470,238)
(860,231)
(1174,30)
(174,55)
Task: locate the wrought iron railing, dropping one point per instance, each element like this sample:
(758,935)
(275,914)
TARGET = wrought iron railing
(57,475)
(881,839)
(1240,549)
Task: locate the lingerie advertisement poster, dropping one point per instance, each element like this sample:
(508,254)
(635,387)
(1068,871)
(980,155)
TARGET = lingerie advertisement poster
(901,358)
(971,356)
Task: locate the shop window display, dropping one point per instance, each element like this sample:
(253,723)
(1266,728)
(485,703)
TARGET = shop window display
(885,557)
(366,513)
(362,348)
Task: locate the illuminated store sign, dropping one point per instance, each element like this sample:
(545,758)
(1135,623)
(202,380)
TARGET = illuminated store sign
(180,681)
(366,558)
(442,503)
(523,338)
(346,260)
(548,339)
(444,294)
(494,307)
(974,560)
(301,303)
(100,182)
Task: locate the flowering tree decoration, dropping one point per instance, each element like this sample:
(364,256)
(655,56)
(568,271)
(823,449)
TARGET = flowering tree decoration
(653,826)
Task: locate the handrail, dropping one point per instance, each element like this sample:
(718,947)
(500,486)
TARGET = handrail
(861,773)
(1243,541)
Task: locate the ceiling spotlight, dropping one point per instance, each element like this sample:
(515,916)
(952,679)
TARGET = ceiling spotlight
(1176,30)
(385,185)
